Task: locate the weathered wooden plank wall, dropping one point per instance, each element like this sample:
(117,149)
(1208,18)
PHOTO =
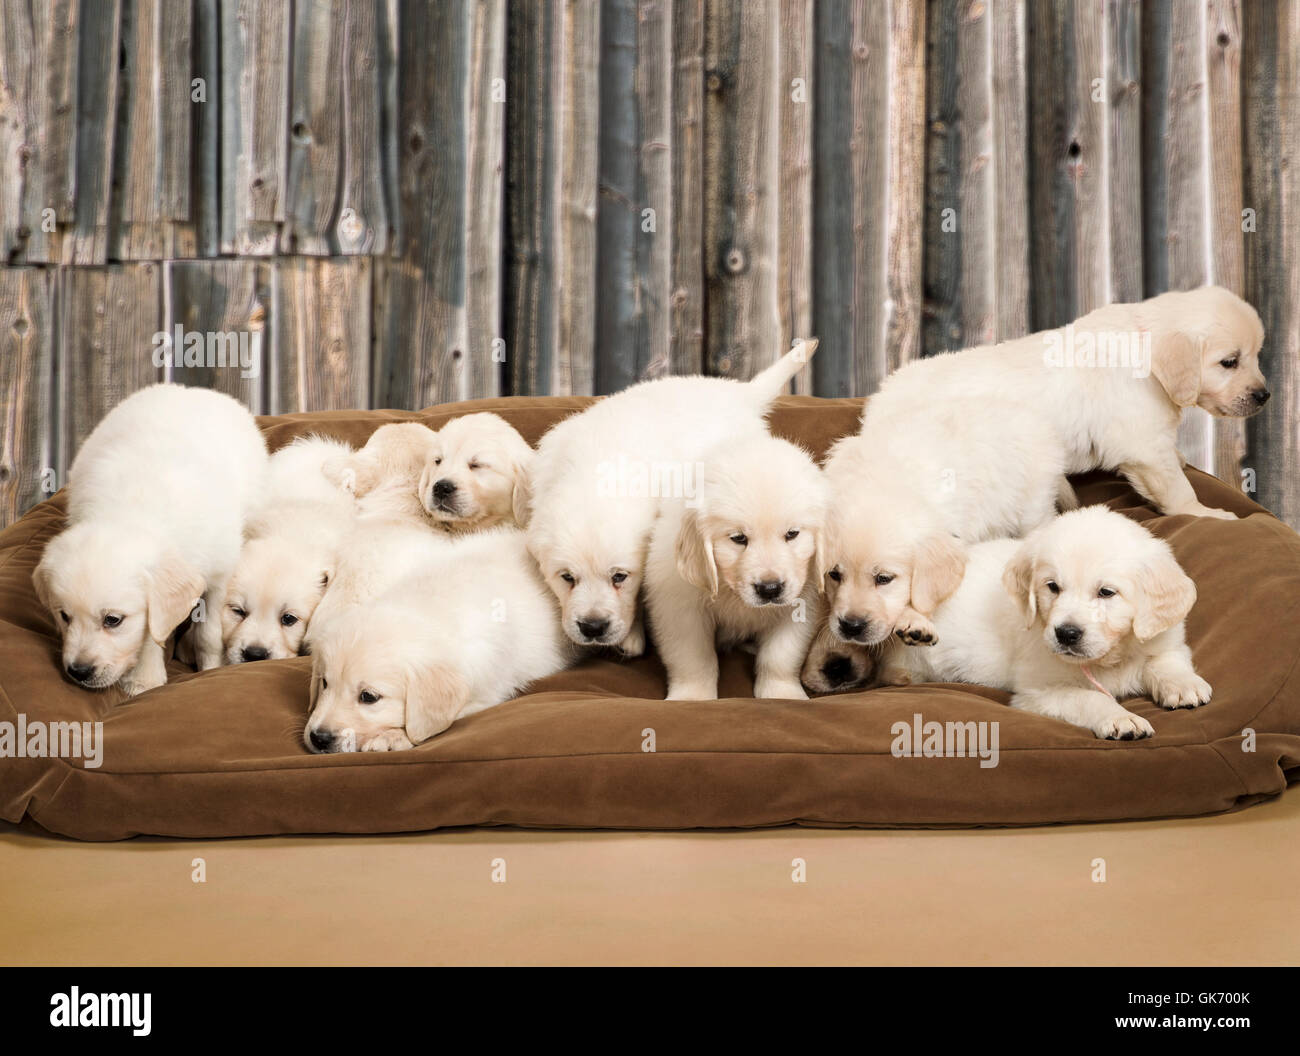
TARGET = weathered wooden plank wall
(404,202)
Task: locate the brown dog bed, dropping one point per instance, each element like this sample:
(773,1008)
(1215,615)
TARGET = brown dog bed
(220,754)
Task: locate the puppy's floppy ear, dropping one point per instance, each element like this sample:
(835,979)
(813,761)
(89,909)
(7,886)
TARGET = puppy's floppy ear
(425,488)
(521,498)
(174,586)
(41,580)
(695,556)
(435,695)
(1018,579)
(314,693)
(1176,364)
(937,571)
(1166,595)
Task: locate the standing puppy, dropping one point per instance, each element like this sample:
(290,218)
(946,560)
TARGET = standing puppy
(734,565)
(157,499)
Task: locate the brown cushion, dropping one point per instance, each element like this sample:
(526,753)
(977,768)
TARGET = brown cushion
(220,754)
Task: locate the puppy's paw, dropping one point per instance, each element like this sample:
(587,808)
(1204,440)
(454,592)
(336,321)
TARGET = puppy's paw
(915,629)
(889,675)
(1188,692)
(1199,510)
(388,741)
(634,644)
(1124,726)
(136,683)
(779,689)
(692,691)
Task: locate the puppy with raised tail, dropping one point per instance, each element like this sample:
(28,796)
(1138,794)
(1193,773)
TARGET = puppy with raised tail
(157,500)
(733,564)
(599,477)
(465,629)
(1086,611)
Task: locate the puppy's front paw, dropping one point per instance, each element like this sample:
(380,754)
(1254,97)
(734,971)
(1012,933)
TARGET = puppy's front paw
(779,689)
(1124,726)
(634,644)
(1188,692)
(388,741)
(915,629)
(137,682)
(1210,511)
(692,691)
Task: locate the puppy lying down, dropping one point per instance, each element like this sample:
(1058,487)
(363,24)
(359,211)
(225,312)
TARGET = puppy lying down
(462,630)
(733,565)
(1086,611)
(291,548)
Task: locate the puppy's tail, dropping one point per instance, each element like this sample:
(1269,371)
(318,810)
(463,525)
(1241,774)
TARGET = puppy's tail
(768,384)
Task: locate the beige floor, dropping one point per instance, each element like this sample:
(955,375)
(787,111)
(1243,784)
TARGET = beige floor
(1217,890)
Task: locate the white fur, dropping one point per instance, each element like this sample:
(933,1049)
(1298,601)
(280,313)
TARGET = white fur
(157,500)
(999,628)
(583,525)
(466,628)
(754,523)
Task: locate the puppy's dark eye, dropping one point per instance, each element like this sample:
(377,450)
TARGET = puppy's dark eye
(367,697)
(438,461)
(1053,587)
(618,577)
(477,465)
(112,620)
(1230,363)
(884,579)
(323,683)
(288,619)
(1106,592)
(64,616)
(740,539)
(568,578)
(793,533)
(240,613)
(836,574)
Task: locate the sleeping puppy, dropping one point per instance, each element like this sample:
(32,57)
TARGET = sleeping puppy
(734,565)
(384,475)
(474,466)
(910,492)
(465,630)
(599,477)
(1091,383)
(1086,611)
(290,551)
(157,500)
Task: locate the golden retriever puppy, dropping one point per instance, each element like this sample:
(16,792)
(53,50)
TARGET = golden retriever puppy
(465,630)
(1086,611)
(474,466)
(599,477)
(290,551)
(733,565)
(1110,386)
(157,500)
(384,475)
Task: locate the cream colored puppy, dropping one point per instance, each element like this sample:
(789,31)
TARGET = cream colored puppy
(475,464)
(599,478)
(1085,612)
(465,630)
(157,500)
(290,551)
(1111,386)
(735,564)
(384,475)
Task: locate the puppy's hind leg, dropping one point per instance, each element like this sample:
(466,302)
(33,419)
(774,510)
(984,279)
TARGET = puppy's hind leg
(207,631)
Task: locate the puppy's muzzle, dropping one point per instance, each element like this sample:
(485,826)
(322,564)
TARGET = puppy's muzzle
(768,591)
(82,673)
(852,628)
(321,740)
(1260,396)
(1068,636)
(593,629)
(838,671)
(251,653)
(443,496)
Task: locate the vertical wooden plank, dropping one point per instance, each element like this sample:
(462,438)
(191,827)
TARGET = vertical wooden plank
(255,41)
(99,45)
(21,85)
(1052,255)
(224,343)
(741,186)
(552,126)
(686,320)
(26,370)
(108,319)
(206,119)
(361,225)
(1123,75)
(60,113)
(151,207)
(795,97)
(950,77)
(321,317)
(437,306)
(868,197)
(1271,98)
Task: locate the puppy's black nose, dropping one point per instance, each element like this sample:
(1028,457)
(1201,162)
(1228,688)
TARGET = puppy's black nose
(443,488)
(253,652)
(769,589)
(852,627)
(1068,634)
(593,628)
(838,670)
(81,672)
(321,740)
(1261,396)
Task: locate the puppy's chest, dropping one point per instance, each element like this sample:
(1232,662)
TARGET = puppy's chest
(734,621)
